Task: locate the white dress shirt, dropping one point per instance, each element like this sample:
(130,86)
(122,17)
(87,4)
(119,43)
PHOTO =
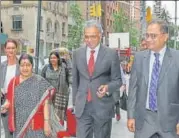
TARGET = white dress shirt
(88,53)
(152,60)
(122,75)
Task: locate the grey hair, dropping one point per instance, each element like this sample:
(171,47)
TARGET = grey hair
(91,23)
(163,25)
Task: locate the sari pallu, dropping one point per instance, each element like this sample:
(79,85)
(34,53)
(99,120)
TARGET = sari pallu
(26,104)
(62,95)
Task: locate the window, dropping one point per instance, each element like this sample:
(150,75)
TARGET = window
(49,26)
(107,22)
(69,30)
(57,7)
(56,26)
(63,43)
(63,28)
(110,22)
(107,8)
(16,1)
(17,22)
(49,5)
(69,27)
(63,6)
(107,34)
(56,45)
(113,11)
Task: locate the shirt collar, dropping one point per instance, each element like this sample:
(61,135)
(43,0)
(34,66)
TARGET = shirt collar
(96,49)
(161,52)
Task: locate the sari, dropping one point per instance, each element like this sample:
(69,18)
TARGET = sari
(26,99)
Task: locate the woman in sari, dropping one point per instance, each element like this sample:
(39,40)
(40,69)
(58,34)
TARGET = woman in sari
(27,102)
(57,75)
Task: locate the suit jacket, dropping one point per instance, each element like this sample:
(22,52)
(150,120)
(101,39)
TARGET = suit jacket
(107,71)
(167,92)
(3,70)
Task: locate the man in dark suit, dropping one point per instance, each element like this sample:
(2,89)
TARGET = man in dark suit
(153,100)
(96,75)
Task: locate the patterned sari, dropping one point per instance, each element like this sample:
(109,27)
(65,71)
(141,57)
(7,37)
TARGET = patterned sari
(26,106)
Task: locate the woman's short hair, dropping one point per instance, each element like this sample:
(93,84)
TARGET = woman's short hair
(28,57)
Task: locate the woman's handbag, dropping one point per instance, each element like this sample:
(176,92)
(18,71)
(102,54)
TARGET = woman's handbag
(123,101)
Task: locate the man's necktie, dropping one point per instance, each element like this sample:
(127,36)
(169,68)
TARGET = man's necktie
(90,70)
(154,83)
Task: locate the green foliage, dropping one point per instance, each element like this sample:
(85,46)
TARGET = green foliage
(76,30)
(123,24)
(165,16)
(172,28)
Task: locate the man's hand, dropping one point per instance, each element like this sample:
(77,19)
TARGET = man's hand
(131,125)
(102,91)
(122,88)
(177,129)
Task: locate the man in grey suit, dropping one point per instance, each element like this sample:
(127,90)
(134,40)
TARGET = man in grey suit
(153,100)
(96,75)
(8,70)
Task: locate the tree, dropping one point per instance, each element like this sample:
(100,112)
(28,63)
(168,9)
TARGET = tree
(75,30)
(123,24)
(167,18)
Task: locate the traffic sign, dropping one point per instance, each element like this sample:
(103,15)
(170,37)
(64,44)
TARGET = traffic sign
(3,38)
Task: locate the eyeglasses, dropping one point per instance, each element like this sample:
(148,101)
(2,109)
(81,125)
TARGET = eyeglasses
(152,35)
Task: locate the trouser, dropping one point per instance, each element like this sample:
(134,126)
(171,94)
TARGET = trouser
(89,125)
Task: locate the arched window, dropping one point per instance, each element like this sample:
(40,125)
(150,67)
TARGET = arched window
(49,26)
(56,27)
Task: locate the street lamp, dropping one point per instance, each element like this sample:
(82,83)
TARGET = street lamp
(38,36)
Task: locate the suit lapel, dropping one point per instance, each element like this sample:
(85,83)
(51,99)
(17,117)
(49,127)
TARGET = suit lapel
(167,60)
(84,66)
(99,59)
(146,65)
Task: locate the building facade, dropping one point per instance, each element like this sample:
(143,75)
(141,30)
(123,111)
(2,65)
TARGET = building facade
(135,13)
(84,7)
(19,20)
(109,8)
